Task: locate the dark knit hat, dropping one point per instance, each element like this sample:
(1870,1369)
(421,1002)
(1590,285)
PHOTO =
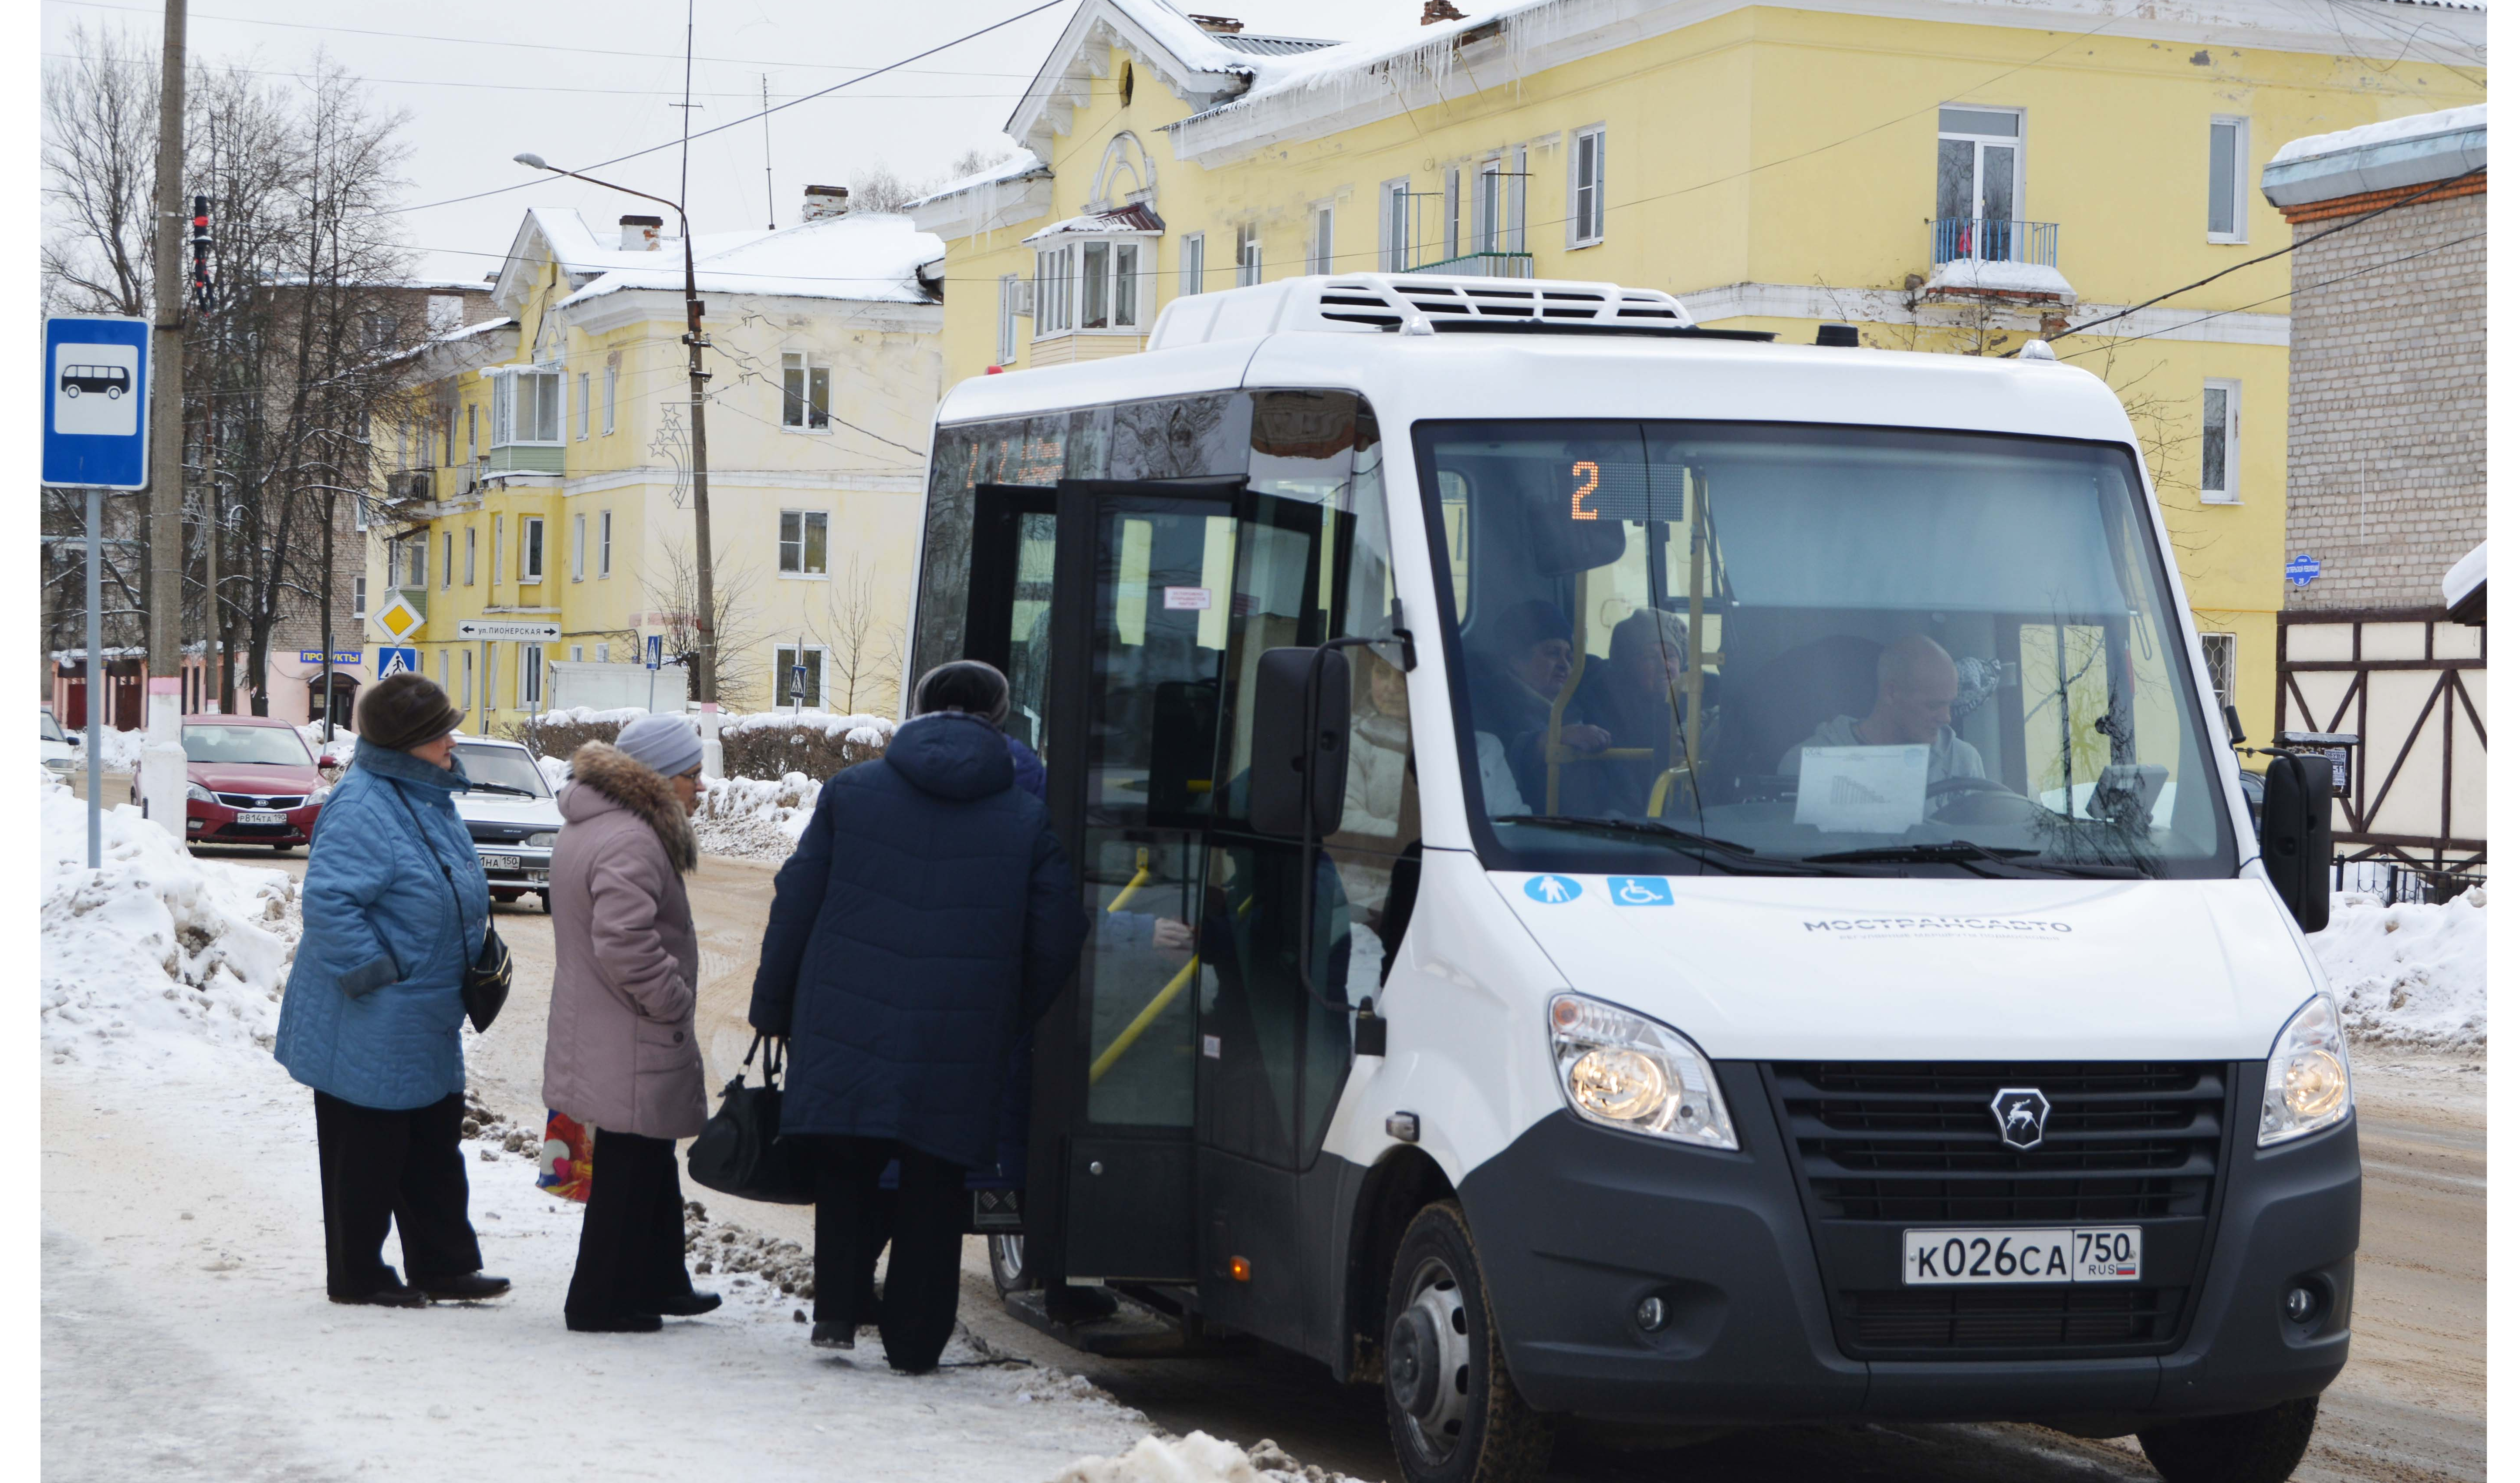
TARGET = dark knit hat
(973,686)
(402,711)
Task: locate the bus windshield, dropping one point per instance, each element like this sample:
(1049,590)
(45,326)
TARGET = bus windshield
(1760,648)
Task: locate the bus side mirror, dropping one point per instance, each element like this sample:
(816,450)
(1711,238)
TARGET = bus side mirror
(2231,722)
(1293,764)
(2294,836)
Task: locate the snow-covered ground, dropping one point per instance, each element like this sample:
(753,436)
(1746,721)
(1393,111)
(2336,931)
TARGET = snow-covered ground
(2408,975)
(755,819)
(186,1331)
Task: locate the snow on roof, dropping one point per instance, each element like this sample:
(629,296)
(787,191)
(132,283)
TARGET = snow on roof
(2388,131)
(1022,162)
(2464,576)
(1135,219)
(469,331)
(863,255)
(1975,275)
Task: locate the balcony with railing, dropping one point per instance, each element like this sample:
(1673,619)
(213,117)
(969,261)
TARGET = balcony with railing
(1481,265)
(1993,240)
(1982,260)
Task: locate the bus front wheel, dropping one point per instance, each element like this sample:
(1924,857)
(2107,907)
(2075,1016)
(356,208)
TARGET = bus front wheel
(1007,1266)
(1453,1414)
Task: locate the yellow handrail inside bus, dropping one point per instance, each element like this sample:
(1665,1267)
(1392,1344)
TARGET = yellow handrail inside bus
(1146,871)
(1156,1006)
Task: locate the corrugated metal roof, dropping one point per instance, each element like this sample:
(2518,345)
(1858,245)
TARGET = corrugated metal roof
(1266,46)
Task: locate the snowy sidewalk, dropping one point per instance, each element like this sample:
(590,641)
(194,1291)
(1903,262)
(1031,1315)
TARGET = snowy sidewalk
(186,1335)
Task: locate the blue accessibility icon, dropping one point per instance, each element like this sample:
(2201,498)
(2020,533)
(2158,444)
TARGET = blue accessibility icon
(1552,890)
(1639,890)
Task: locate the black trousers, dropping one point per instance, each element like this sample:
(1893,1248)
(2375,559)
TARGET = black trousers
(405,1166)
(630,1250)
(923,1287)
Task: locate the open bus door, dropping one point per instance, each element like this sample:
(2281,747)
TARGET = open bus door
(1123,613)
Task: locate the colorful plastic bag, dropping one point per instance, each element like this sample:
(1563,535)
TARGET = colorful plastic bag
(567,1157)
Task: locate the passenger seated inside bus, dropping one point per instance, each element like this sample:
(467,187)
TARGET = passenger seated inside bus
(1515,679)
(1628,698)
(1912,706)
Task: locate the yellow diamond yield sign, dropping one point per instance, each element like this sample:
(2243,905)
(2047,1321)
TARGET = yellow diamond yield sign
(398,620)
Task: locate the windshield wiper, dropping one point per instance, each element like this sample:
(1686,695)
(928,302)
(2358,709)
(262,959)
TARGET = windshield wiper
(499,787)
(1722,854)
(1992,861)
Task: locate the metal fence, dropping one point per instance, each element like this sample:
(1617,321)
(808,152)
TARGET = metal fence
(1993,240)
(2399,884)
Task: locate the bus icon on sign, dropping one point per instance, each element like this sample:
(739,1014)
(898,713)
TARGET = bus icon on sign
(113,381)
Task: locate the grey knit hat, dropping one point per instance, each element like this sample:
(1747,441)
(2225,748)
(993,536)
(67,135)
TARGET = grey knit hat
(666,745)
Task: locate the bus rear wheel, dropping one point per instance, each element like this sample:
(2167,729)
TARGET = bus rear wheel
(1453,1414)
(1007,1266)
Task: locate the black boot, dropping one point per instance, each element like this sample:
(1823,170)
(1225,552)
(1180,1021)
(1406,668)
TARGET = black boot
(463,1287)
(393,1295)
(691,1306)
(835,1337)
(628,1322)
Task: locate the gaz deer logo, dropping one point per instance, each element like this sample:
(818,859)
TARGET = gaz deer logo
(2020,1116)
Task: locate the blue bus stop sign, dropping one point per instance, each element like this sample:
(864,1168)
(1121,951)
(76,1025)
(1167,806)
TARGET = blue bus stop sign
(96,402)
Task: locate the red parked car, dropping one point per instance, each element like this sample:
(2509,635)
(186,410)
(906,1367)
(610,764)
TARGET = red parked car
(252,781)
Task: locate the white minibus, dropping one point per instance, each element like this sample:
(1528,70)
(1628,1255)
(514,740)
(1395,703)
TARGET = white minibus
(1647,880)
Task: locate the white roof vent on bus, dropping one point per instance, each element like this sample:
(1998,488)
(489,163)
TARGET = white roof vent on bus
(1411,302)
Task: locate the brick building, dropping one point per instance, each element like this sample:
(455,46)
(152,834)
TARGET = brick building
(2385,488)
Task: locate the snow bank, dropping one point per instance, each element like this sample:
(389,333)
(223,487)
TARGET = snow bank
(2408,975)
(865,730)
(590,715)
(752,818)
(155,957)
(1195,1459)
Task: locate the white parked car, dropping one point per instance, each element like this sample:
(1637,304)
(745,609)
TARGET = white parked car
(61,754)
(512,815)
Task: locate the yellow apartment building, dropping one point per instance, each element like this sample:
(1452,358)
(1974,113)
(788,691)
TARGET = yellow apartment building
(543,487)
(1945,175)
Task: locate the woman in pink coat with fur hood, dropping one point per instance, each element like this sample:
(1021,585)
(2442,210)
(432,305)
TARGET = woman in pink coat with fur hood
(621,1055)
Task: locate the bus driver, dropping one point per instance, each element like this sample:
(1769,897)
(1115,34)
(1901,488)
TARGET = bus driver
(1912,706)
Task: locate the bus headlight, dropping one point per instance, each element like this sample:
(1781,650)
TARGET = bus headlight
(1622,1070)
(2309,1084)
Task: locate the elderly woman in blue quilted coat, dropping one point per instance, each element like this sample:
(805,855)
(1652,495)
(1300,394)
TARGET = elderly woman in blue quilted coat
(395,907)
(925,920)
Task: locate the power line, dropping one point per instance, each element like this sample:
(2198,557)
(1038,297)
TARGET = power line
(749,117)
(530,46)
(2441,246)
(521,87)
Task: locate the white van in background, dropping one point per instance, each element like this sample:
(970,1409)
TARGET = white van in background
(1715,894)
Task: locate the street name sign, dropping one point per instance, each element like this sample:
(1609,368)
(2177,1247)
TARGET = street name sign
(96,401)
(500,628)
(2302,571)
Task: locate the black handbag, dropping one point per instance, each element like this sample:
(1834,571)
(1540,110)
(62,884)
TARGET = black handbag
(740,1152)
(487,977)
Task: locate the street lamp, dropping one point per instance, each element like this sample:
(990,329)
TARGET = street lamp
(695,341)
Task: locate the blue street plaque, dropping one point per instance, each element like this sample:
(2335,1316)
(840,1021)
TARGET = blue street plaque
(2302,571)
(96,401)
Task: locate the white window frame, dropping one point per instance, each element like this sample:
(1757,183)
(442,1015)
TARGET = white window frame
(1517,194)
(577,548)
(498,545)
(471,531)
(602,545)
(1006,298)
(2018,140)
(2229,672)
(1452,215)
(604,654)
(785,657)
(612,396)
(2229,493)
(1194,264)
(509,388)
(529,549)
(801,542)
(1319,255)
(577,653)
(489,678)
(529,676)
(796,410)
(1586,205)
(1054,292)
(2238,124)
(1247,260)
(467,678)
(1487,207)
(358,597)
(445,562)
(585,405)
(1392,217)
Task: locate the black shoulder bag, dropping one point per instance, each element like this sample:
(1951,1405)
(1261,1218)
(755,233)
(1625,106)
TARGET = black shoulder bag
(487,977)
(740,1152)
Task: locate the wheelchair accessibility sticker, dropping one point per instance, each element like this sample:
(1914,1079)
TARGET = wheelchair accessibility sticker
(1639,890)
(1552,890)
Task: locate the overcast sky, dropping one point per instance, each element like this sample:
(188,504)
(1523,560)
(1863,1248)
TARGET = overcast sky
(577,82)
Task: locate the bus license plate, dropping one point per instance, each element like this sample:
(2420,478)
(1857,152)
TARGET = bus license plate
(2059,1254)
(260,816)
(503,861)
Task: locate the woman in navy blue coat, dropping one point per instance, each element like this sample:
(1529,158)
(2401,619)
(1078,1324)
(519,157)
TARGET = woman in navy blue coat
(395,907)
(925,920)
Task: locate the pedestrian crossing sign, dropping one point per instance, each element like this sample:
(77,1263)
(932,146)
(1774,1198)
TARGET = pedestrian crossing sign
(398,662)
(398,620)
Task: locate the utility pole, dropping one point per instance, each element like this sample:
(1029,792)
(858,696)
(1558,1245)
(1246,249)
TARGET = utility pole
(213,694)
(769,187)
(161,755)
(703,662)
